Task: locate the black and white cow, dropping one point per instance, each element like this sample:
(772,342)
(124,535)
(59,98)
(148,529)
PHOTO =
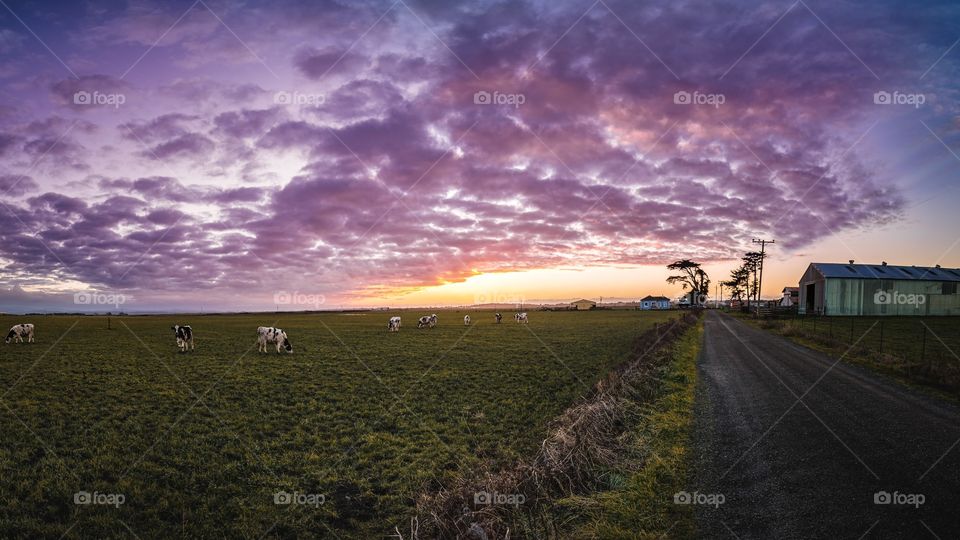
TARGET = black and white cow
(269,334)
(184,337)
(427,321)
(521,318)
(499,317)
(466,320)
(19,332)
(394,324)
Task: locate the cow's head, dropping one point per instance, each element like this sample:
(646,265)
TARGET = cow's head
(10,336)
(286,342)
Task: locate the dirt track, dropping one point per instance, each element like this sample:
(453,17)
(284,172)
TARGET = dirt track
(799,444)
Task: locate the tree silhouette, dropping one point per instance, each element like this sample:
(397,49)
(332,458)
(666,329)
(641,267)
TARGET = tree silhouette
(690,276)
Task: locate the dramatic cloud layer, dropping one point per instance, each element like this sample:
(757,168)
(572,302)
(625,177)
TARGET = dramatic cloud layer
(344,148)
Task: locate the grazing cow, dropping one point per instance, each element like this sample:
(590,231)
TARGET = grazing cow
(521,318)
(466,320)
(394,324)
(499,317)
(19,332)
(269,334)
(427,321)
(184,337)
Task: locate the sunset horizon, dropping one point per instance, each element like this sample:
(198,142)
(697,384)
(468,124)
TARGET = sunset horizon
(480,269)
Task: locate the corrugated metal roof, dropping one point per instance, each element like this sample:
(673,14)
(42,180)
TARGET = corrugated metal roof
(878,271)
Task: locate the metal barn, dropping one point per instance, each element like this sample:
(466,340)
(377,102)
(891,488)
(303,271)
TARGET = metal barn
(879,289)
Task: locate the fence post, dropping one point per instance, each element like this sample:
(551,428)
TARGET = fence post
(881,338)
(851,330)
(923,345)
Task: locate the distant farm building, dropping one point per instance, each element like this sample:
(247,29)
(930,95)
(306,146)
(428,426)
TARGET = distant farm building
(879,289)
(583,305)
(791,297)
(654,302)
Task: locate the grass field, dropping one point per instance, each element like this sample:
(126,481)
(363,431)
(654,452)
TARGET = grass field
(355,423)
(926,349)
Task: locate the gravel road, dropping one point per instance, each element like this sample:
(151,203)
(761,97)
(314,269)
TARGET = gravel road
(800,445)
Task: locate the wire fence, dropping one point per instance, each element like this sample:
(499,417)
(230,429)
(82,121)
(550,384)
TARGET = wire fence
(925,349)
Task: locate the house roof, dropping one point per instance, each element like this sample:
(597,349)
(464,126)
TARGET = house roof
(791,289)
(879,271)
(583,301)
(654,298)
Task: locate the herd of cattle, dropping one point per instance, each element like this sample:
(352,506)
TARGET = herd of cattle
(429,321)
(265,334)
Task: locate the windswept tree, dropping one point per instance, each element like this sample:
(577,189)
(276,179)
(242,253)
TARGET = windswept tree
(738,283)
(690,276)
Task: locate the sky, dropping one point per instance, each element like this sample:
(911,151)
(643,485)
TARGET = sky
(208,155)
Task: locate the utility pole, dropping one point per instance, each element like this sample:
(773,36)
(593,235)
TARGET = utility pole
(763,246)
